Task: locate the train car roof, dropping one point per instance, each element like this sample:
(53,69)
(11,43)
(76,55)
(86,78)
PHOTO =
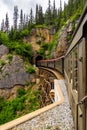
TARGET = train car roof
(78,33)
(52,60)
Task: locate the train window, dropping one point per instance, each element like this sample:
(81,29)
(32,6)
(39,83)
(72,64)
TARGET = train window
(75,68)
(66,65)
(70,68)
(85,29)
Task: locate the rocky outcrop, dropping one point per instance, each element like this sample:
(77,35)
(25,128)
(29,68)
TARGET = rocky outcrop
(39,36)
(10,93)
(43,34)
(3,50)
(63,40)
(62,43)
(13,73)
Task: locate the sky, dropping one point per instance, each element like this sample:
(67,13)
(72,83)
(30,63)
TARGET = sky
(7,6)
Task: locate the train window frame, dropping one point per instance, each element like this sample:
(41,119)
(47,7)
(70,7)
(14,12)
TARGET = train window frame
(75,68)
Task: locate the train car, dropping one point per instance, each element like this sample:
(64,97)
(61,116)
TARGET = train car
(57,64)
(75,70)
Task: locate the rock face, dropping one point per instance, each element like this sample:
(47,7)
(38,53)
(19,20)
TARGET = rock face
(3,50)
(63,41)
(39,36)
(13,73)
(10,93)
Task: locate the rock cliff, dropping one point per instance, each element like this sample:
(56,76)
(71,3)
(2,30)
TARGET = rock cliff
(63,40)
(39,36)
(12,70)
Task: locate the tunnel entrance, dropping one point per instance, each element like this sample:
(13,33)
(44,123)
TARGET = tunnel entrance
(38,58)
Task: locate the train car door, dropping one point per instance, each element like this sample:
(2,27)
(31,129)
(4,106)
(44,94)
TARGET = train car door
(81,117)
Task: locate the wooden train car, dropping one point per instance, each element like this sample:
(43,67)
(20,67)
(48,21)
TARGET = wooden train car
(57,64)
(75,70)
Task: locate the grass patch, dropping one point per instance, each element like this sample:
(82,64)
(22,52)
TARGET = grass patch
(25,102)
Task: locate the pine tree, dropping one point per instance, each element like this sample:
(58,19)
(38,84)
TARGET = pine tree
(24,21)
(11,33)
(31,20)
(37,14)
(49,11)
(27,21)
(59,16)
(54,10)
(7,23)
(21,19)
(15,17)
(48,14)
(3,25)
(60,11)
(40,13)
(70,9)
(60,5)
(65,11)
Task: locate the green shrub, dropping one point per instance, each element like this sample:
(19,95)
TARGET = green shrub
(10,57)
(2,62)
(3,38)
(14,108)
(1,103)
(20,48)
(45,46)
(30,69)
(21,92)
(41,52)
(24,33)
(27,83)
(69,37)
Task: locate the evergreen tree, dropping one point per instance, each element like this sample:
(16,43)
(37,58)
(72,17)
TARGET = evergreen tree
(49,11)
(31,20)
(59,16)
(54,10)
(7,23)
(60,6)
(60,11)
(65,12)
(37,14)
(27,20)
(21,20)
(48,14)
(40,13)
(3,25)
(15,17)
(24,21)
(70,9)
(11,33)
